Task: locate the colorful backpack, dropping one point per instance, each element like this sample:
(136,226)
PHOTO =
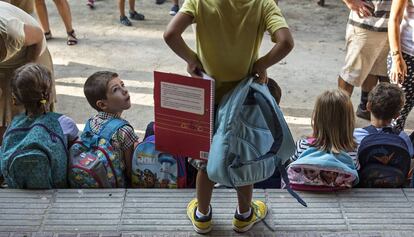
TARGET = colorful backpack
(154,169)
(251,140)
(317,170)
(34,153)
(93,163)
(384,158)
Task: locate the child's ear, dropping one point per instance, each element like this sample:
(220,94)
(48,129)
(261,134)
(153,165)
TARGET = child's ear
(101,104)
(369,106)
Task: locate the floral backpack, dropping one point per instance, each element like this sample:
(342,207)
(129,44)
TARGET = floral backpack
(317,170)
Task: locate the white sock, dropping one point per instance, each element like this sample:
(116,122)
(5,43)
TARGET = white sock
(245,215)
(201,215)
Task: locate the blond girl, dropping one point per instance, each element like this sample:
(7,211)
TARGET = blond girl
(333,125)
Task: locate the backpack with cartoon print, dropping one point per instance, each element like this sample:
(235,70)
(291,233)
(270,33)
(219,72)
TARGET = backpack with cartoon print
(154,169)
(93,163)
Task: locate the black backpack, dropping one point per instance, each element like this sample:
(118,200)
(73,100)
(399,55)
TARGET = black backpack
(384,158)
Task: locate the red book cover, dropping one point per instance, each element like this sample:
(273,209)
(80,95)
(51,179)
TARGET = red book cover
(184,108)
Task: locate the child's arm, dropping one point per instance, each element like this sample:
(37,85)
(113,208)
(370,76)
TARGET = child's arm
(173,38)
(284,44)
(128,160)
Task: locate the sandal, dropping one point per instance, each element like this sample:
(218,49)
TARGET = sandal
(48,35)
(72,40)
(136,16)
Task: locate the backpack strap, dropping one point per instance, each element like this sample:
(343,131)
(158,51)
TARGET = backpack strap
(275,128)
(87,126)
(373,130)
(110,127)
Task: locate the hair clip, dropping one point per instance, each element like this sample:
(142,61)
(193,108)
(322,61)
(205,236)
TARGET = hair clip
(43,101)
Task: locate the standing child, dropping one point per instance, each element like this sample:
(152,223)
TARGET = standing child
(228,51)
(333,124)
(106,93)
(134,15)
(34,151)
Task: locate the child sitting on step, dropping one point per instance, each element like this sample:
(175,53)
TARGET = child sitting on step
(107,94)
(333,124)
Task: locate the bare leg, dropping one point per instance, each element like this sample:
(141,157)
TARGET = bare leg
(131,5)
(65,14)
(244,196)
(175,2)
(204,187)
(121,5)
(41,11)
(345,86)
(369,83)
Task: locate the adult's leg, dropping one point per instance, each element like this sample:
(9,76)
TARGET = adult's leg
(369,83)
(131,5)
(41,11)
(121,6)
(204,188)
(408,87)
(342,84)
(65,14)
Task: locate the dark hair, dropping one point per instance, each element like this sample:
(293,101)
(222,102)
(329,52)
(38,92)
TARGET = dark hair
(32,86)
(274,89)
(96,86)
(386,101)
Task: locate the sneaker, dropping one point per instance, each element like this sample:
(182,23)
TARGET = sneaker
(125,21)
(174,10)
(362,113)
(136,16)
(159,1)
(201,225)
(259,212)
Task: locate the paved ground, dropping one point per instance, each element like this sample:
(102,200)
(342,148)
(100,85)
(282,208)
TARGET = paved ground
(135,52)
(161,212)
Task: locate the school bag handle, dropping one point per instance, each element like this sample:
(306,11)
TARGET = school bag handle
(276,130)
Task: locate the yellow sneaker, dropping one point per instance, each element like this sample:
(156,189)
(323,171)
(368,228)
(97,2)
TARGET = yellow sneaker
(201,225)
(259,212)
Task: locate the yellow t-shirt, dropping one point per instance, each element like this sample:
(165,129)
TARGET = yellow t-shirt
(229,34)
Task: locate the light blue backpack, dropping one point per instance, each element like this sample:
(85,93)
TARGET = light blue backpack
(317,170)
(251,140)
(34,153)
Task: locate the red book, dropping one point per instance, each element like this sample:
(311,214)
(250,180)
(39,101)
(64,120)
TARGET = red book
(184,108)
